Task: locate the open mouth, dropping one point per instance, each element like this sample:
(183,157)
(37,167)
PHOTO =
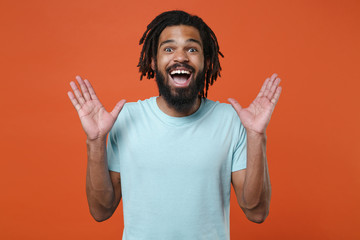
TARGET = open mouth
(181,77)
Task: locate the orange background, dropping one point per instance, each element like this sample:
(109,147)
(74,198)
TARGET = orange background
(313,137)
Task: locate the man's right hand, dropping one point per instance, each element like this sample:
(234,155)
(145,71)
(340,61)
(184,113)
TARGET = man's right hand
(95,120)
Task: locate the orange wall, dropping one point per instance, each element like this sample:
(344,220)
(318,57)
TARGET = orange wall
(313,137)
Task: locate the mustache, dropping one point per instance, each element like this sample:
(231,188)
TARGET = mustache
(183,65)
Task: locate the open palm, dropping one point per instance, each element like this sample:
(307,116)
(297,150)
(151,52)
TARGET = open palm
(95,120)
(257,116)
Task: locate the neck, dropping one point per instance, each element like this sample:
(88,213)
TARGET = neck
(169,110)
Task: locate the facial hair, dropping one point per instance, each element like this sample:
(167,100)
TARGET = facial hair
(180,99)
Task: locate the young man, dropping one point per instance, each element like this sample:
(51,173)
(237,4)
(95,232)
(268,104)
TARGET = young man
(172,158)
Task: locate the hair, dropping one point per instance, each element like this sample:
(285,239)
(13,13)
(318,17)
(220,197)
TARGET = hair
(150,40)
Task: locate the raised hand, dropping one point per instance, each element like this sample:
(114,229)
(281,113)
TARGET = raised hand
(95,120)
(256,117)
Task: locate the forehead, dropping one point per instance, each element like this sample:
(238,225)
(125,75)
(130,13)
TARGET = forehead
(180,33)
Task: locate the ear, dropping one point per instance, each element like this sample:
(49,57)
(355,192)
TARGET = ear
(153,64)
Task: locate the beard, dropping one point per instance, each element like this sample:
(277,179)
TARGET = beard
(180,99)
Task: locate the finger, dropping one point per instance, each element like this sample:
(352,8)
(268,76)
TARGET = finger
(269,85)
(235,105)
(273,76)
(276,96)
(262,90)
(73,100)
(78,94)
(273,88)
(115,112)
(83,87)
(91,90)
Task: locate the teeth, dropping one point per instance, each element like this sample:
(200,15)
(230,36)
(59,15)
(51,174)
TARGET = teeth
(179,72)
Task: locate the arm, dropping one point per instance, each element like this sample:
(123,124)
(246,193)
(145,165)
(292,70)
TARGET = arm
(252,185)
(103,188)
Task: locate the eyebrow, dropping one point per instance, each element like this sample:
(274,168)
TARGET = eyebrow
(189,40)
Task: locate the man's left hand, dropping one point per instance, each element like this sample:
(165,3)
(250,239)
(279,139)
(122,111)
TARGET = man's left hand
(257,116)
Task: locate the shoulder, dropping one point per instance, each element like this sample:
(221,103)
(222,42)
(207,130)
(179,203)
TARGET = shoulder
(140,104)
(224,114)
(141,107)
(134,112)
(219,108)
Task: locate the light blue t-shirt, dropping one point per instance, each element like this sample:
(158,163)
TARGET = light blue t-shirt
(176,171)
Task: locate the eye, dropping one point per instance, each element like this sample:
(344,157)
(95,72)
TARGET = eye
(193,50)
(168,49)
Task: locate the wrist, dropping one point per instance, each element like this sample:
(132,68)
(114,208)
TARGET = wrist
(96,150)
(255,135)
(96,141)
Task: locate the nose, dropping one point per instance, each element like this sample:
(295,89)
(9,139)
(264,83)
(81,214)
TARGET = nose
(181,56)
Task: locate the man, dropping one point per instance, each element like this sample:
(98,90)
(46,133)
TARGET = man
(172,158)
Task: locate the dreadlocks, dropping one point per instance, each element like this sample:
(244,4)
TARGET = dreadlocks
(150,41)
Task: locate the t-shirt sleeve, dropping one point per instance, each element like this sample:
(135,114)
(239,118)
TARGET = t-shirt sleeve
(114,140)
(112,151)
(240,155)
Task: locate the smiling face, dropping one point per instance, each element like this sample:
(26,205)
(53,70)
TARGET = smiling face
(179,67)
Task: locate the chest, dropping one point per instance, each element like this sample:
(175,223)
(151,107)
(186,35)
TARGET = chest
(192,149)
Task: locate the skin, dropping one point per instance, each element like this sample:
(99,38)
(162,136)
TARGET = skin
(177,44)
(252,185)
(103,187)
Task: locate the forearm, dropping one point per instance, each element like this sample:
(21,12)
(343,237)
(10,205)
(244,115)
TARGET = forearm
(257,188)
(99,188)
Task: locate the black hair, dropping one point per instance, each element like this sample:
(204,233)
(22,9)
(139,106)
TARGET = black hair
(150,41)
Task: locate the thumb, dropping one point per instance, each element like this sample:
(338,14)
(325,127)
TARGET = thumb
(235,105)
(115,112)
